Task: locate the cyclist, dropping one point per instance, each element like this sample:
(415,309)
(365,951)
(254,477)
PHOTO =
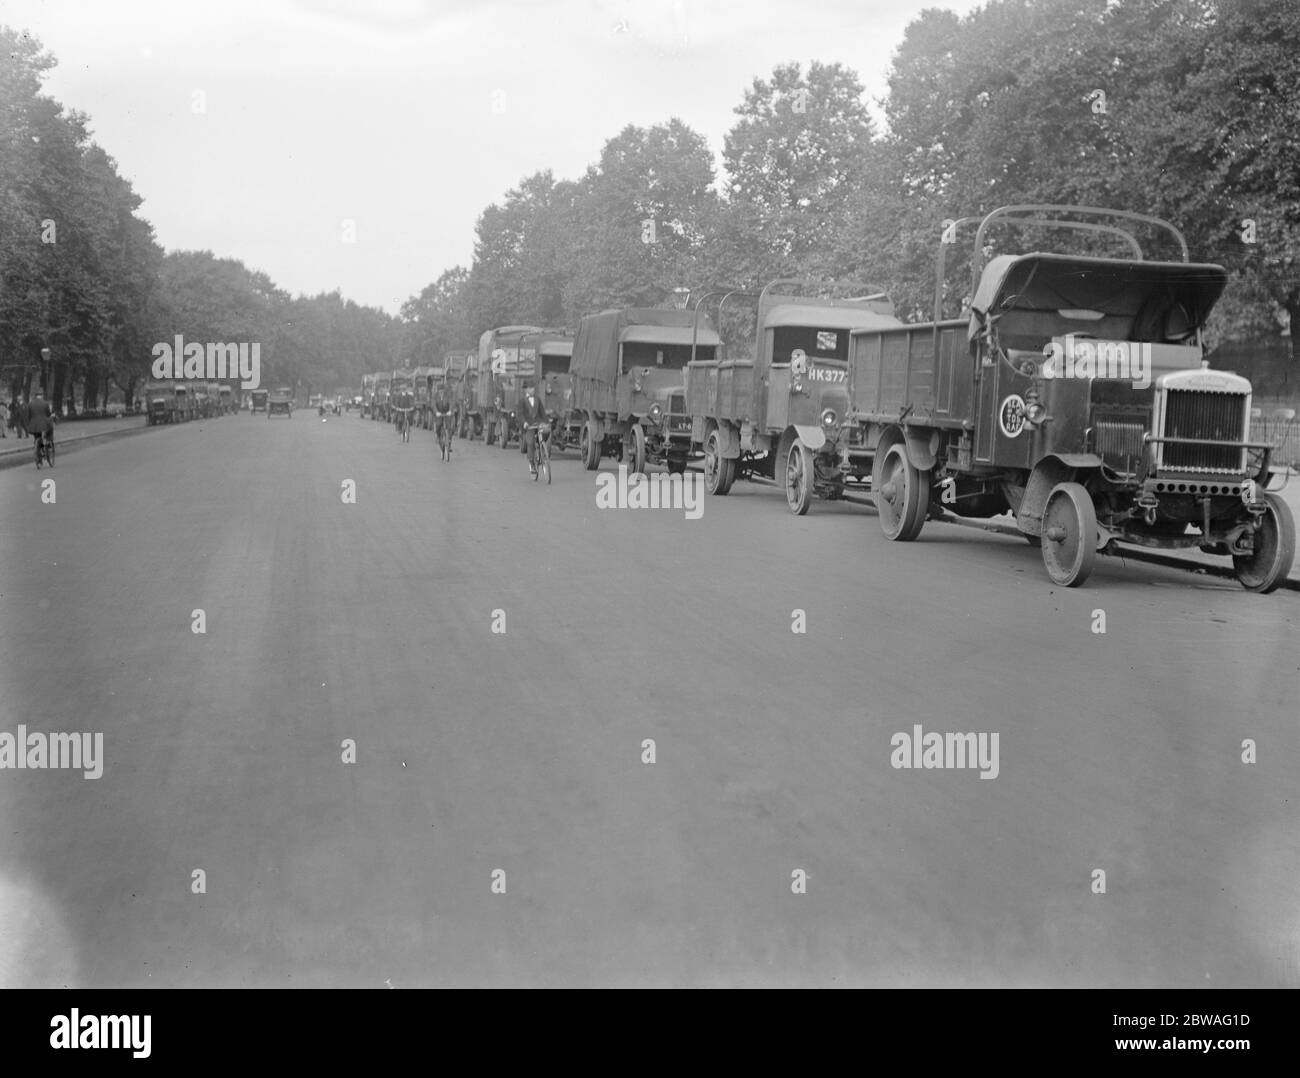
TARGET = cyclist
(443,426)
(40,420)
(402,407)
(532,412)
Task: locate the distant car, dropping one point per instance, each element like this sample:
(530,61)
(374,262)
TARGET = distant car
(280,402)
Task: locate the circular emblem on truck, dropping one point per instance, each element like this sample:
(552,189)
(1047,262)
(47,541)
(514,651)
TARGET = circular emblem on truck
(798,362)
(1011,416)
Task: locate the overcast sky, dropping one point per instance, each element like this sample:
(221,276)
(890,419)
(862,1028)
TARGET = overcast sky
(255,128)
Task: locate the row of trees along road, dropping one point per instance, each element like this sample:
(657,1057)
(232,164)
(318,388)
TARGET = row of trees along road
(82,275)
(1185,109)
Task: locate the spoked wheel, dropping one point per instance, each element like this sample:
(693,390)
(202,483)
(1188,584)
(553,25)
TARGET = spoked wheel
(544,460)
(902,494)
(1069,535)
(634,449)
(1269,565)
(49,459)
(799,478)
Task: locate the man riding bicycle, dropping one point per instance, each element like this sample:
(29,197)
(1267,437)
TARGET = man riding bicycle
(403,405)
(532,413)
(40,421)
(443,426)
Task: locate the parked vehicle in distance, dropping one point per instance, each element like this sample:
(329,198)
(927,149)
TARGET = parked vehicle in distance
(462,376)
(628,373)
(280,402)
(497,372)
(552,353)
(160,402)
(227,396)
(380,407)
(1073,392)
(780,408)
(257,401)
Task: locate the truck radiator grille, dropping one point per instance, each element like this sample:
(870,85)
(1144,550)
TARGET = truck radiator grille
(1198,414)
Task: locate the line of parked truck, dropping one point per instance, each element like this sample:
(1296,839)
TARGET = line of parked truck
(180,400)
(1073,393)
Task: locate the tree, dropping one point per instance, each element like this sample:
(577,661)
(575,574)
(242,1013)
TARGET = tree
(641,218)
(437,320)
(802,148)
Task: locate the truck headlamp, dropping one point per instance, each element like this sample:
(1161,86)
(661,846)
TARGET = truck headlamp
(828,418)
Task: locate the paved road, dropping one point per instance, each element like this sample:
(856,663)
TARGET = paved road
(522,751)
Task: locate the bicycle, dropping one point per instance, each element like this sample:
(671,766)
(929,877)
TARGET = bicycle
(44,450)
(539,450)
(444,434)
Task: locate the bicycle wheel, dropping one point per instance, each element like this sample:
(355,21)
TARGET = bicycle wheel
(49,454)
(544,460)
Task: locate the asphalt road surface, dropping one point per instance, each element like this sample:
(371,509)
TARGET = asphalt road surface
(500,824)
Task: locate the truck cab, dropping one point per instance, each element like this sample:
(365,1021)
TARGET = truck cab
(780,408)
(629,384)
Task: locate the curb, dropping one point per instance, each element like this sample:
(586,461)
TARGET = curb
(16,458)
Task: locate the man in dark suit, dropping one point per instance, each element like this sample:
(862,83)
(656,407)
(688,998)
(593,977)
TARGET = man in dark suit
(40,420)
(531,411)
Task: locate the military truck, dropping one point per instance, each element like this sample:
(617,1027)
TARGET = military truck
(628,373)
(497,373)
(552,353)
(379,405)
(464,387)
(1074,392)
(778,406)
(160,402)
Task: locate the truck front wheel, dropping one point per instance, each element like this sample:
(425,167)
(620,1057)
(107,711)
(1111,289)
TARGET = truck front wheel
(1069,535)
(1270,563)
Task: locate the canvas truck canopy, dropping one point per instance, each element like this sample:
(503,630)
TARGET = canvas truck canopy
(501,337)
(817,316)
(596,351)
(1032,296)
